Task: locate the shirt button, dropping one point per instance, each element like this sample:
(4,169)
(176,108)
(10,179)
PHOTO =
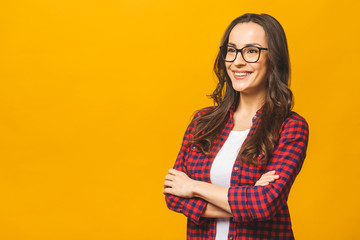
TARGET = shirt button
(230,238)
(236,168)
(194,147)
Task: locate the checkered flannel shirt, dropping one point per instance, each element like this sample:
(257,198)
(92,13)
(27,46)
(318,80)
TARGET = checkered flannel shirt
(259,212)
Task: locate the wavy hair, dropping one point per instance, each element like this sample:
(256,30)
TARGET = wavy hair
(278,102)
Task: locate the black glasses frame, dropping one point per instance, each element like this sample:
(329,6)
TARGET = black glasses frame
(241,51)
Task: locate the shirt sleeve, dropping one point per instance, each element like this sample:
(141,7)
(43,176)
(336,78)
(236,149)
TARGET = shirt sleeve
(260,203)
(190,207)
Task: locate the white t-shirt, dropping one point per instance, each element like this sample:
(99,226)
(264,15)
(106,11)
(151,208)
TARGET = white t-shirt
(220,172)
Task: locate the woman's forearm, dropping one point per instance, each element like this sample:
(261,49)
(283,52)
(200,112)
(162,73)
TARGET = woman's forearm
(179,184)
(214,194)
(212,211)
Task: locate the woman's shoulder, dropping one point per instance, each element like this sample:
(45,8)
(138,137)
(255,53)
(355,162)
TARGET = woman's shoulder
(203,111)
(296,118)
(295,125)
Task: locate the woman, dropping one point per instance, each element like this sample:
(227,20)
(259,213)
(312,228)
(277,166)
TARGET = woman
(224,177)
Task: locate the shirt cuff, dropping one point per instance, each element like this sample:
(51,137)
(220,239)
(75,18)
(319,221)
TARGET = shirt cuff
(193,208)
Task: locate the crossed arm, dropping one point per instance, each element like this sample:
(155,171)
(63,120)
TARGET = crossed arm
(179,184)
(261,202)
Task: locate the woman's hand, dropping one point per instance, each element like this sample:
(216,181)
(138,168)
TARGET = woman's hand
(179,184)
(266,178)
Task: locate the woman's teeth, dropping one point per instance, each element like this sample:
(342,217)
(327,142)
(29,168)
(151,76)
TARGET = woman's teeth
(242,74)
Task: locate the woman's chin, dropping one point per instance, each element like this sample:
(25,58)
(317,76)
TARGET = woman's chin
(248,88)
(239,88)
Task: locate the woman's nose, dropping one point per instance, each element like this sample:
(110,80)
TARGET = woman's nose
(239,60)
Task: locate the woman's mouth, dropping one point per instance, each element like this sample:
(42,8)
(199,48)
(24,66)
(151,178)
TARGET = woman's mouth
(241,75)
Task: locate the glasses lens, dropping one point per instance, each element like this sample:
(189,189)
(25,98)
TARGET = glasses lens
(251,54)
(228,53)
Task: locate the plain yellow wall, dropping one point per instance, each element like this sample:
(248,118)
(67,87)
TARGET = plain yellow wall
(95,97)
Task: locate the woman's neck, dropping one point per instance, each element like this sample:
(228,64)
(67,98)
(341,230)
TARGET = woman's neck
(250,103)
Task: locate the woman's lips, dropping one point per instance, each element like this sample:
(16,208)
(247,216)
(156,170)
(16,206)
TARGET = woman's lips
(241,75)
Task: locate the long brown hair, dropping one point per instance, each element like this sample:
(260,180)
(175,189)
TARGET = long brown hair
(278,102)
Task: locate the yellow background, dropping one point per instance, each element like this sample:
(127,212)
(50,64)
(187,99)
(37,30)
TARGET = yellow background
(95,97)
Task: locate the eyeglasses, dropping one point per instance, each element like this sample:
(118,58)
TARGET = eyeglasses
(250,54)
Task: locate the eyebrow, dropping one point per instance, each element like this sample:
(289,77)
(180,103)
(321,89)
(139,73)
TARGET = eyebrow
(247,45)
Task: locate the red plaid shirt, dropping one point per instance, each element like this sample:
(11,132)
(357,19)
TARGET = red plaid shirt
(259,212)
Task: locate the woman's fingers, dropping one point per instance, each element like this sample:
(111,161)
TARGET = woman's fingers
(261,183)
(269,173)
(266,178)
(168,183)
(179,184)
(269,178)
(169,180)
(173,171)
(169,177)
(167,190)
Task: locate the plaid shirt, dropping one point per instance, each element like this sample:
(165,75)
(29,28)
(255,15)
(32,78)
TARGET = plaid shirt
(259,212)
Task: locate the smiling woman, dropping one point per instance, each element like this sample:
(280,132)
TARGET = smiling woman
(224,177)
(247,73)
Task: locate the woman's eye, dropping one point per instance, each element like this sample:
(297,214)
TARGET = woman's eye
(231,50)
(252,50)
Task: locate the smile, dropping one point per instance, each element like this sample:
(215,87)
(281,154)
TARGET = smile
(241,75)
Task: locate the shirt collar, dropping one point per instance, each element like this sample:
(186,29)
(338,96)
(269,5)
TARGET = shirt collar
(259,111)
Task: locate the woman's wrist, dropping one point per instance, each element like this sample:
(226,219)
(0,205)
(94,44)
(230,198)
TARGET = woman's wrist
(196,186)
(211,193)
(212,211)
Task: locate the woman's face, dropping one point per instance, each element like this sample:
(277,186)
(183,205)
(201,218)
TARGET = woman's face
(249,77)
